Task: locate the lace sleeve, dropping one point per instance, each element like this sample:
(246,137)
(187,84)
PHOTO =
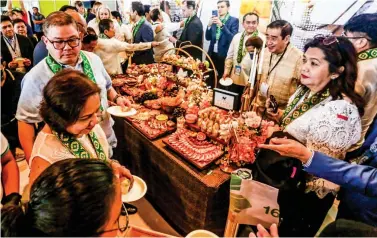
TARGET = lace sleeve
(334,129)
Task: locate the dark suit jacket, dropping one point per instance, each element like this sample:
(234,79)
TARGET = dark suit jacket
(26,48)
(229,29)
(90,17)
(145,34)
(40,52)
(193,32)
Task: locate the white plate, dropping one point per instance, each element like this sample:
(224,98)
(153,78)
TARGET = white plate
(226,82)
(117,111)
(138,190)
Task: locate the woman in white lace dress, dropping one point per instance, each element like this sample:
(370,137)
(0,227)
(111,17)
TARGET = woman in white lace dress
(71,109)
(324,114)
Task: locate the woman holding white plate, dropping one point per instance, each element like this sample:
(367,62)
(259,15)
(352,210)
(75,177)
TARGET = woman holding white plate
(71,109)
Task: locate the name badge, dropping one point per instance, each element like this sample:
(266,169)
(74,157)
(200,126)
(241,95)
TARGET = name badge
(216,47)
(264,89)
(237,70)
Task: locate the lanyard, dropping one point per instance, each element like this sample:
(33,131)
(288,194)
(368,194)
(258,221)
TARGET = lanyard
(14,48)
(269,65)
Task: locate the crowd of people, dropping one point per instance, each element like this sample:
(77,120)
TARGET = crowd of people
(56,87)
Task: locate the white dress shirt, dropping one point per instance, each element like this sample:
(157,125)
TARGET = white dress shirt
(108,50)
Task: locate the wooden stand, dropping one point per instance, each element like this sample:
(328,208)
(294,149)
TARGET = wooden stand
(209,58)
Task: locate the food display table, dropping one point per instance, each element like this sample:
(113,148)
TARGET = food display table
(189,199)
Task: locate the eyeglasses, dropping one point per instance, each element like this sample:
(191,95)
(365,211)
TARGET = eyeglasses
(122,223)
(355,37)
(59,45)
(327,40)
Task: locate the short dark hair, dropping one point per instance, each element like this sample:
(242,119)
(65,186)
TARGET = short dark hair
(104,24)
(255,41)
(67,7)
(97,4)
(5,18)
(35,8)
(190,4)
(78,3)
(62,199)
(116,14)
(286,27)
(250,14)
(58,18)
(139,8)
(364,23)
(64,96)
(340,54)
(147,8)
(163,5)
(90,36)
(154,14)
(226,1)
(15,21)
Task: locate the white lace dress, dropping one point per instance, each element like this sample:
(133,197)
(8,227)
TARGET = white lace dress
(330,127)
(50,149)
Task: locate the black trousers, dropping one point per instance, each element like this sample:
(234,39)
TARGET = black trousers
(219,62)
(39,35)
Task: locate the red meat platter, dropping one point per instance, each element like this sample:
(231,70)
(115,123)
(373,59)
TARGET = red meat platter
(149,132)
(200,153)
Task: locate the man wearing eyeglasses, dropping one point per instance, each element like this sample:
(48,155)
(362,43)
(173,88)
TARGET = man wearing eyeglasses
(63,42)
(362,32)
(40,51)
(281,66)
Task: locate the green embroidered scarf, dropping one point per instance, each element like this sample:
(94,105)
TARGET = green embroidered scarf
(76,148)
(367,54)
(189,19)
(292,112)
(241,49)
(87,68)
(136,28)
(218,29)
(103,36)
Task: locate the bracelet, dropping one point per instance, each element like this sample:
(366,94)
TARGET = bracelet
(116,98)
